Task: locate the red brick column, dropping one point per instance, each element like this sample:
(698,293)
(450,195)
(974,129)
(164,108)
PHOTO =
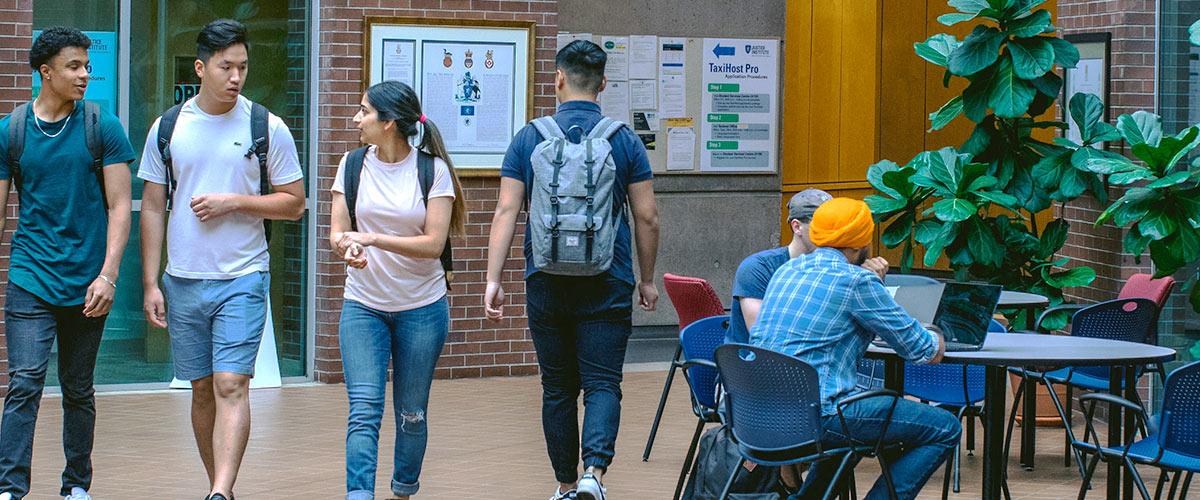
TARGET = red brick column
(475,347)
(15,83)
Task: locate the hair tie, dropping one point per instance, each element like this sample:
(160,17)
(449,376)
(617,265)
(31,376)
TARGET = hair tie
(422,118)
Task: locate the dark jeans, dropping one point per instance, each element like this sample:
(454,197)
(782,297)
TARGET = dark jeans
(32,326)
(927,436)
(580,326)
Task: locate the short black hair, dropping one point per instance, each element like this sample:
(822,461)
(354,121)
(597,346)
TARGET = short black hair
(52,41)
(220,35)
(583,64)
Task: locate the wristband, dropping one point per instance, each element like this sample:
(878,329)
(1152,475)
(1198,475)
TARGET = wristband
(110,282)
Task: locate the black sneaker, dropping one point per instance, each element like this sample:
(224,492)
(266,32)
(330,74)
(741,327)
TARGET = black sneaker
(218,496)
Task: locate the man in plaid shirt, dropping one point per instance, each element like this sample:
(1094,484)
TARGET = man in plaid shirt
(825,309)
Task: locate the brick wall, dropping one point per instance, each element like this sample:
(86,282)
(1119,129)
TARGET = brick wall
(475,347)
(15,82)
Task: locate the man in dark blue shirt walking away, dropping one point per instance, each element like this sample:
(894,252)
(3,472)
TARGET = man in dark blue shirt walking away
(580,320)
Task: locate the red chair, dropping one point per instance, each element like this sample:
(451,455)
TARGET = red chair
(694,299)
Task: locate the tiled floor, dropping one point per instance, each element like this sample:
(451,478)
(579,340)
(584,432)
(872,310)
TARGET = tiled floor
(485,442)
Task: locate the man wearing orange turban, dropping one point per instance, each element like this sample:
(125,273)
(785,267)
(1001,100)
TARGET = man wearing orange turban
(825,309)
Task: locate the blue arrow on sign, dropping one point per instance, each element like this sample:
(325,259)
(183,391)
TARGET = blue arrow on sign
(723,51)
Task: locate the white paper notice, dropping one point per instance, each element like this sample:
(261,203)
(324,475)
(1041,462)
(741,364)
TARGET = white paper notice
(399,60)
(614,101)
(567,38)
(739,105)
(672,56)
(617,48)
(643,94)
(681,148)
(643,56)
(672,93)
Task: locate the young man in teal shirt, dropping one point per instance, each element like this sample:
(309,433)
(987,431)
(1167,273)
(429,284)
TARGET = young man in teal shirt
(64,261)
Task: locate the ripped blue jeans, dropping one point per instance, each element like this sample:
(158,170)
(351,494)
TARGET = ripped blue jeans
(368,339)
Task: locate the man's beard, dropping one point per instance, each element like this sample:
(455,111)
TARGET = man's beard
(861,257)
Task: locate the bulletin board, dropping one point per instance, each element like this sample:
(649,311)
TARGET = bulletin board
(700,105)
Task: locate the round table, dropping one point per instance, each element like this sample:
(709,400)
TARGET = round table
(1030,303)
(1017,349)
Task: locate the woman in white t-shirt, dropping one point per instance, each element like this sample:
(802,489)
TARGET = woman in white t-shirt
(395,304)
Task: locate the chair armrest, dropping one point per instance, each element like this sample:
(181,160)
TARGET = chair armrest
(1061,307)
(698,362)
(1088,402)
(878,393)
(1109,398)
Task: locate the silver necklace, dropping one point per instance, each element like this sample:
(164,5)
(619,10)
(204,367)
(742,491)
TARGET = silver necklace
(56,134)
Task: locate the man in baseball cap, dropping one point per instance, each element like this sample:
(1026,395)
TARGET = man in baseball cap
(753,274)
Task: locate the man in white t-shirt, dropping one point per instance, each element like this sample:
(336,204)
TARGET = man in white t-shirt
(216,280)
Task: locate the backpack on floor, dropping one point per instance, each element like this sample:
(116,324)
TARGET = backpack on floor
(572,222)
(716,457)
(354,165)
(91,133)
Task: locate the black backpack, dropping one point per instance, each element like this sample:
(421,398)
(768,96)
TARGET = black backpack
(715,460)
(91,132)
(354,165)
(260,146)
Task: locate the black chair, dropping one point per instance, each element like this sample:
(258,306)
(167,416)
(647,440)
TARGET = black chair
(773,411)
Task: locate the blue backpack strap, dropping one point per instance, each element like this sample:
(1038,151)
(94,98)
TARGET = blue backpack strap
(260,135)
(166,128)
(425,175)
(350,175)
(95,144)
(16,142)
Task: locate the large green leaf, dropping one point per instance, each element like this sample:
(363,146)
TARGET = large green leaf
(1031,57)
(937,48)
(1049,84)
(1166,256)
(1170,180)
(975,97)
(953,209)
(947,113)
(1021,7)
(1047,172)
(1053,238)
(882,206)
(955,18)
(1194,37)
(1000,198)
(1100,161)
(983,245)
(1131,176)
(978,51)
(1079,276)
(969,6)
(1031,25)
(898,231)
(1131,207)
(875,177)
(1134,244)
(1157,223)
(1169,151)
(1065,53)
(982,182)
(1009,96)
(926,231)
(1142,127)
(1087,110)
(980,138)
(1074,183)
(933,250)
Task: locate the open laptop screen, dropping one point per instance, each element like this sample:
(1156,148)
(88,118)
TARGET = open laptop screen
(966,310)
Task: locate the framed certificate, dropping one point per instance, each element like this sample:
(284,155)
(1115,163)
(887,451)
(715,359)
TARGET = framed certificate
(474,78)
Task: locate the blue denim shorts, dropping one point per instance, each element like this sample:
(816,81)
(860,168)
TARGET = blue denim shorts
(215,325)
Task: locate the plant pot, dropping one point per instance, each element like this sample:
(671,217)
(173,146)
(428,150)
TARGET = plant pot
(1046,415)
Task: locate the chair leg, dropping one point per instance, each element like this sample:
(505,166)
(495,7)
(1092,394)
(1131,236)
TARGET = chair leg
(971,417)
(1066,436)
(886,471)
(946,481)
(687,462)
(1063,415)
(1137,478)
(1012,422)
(729,482)
(1187,481)
(1162,479)
(1087,476)
(1174,484)
(836,479)
(662,402)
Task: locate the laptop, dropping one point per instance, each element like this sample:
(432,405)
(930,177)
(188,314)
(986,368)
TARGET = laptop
(963,311)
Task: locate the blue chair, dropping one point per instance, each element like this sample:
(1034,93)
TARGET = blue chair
(1130,320)
(957,388)
(699,340)
(773,413)
(1173,445)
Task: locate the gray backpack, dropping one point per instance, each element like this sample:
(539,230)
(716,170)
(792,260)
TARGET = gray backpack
(572,218)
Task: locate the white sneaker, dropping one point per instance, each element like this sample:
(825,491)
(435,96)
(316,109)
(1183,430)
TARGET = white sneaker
(559,494)
(6,496)
(77,493)
(589,488)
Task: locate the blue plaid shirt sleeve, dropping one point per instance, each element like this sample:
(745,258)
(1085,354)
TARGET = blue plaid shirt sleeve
(876,311)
